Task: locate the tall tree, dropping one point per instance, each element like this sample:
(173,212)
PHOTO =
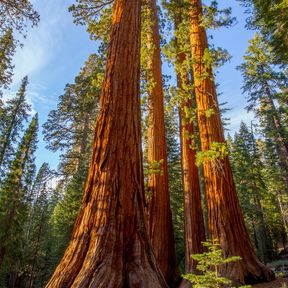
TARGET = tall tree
(69,129)
(70,126)
(15,113)
(251,188)
(263,84)
(226,223)
(7,50)
(15,14)
(160,218)
(109,245)
(193,214)
(271,18)
(15,197)
(37,227)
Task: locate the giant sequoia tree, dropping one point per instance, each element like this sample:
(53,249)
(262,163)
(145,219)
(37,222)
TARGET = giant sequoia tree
(109,245)
(193,215)
(160,218)
(226,223)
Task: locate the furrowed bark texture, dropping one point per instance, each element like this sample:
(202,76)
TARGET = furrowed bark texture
(110,247)
(193,215)
(160,217)
(226,223)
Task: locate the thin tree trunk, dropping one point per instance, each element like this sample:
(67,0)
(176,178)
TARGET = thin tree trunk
(193,215)
(32,277)
(226,223)
(109,245)
(160,217)
(278,137)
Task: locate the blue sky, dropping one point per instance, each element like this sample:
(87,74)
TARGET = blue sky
(55,50)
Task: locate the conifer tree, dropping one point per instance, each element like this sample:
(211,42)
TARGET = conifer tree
(37,227)
(193,214)
(226,223)
(15,195)
(109,244)
(16,14)
(251,188)
(271,18)
(69,129)
(15,112)
(7,50)
(160,218)
(263,84)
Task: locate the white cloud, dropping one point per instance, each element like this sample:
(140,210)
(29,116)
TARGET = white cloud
(35,94)
(237,115)
(43,41)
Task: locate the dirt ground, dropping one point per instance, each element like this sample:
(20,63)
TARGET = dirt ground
(278,283)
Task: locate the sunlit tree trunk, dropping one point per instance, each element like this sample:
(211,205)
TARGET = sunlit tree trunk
(109,245)
(226,223)
(193,215)
(160,218)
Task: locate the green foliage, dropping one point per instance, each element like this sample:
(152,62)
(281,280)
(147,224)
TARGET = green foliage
(15,113)
(15,196)
(265,83)
(7,50)
(209,264)
(15,14)
(271,18)
(70,127)
(217,152)
(257,202)
(87,11)
(155,167)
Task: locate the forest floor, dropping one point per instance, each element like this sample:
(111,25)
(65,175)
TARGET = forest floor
(278,283)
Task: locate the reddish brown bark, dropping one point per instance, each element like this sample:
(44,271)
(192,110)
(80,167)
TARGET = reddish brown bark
(160,218)
(226,223)
(193,215)
(109,245)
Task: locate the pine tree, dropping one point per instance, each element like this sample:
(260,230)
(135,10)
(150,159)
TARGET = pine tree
(251,188)
(226,221)
(263,84)
(7,50)
(15,195)
(15,14)
(70,127)
(15,112)
(275,197)
(271,18)
(37,228)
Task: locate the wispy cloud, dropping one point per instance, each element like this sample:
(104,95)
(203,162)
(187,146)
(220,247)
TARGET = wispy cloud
(237,115)
(42,42)
(35,94)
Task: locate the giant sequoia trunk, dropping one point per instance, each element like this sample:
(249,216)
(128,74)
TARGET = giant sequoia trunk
(193,215)
(160,218)
(226,223)
(109,245)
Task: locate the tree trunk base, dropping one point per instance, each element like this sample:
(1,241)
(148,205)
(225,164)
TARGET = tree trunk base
(250,274)
(185,284)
